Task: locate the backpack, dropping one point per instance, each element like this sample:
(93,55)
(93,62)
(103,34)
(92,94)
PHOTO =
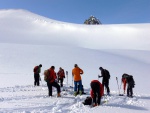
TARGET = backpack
(107,74)
(125,75)
(47,75)
(35,69)
(88,101)
(131,81)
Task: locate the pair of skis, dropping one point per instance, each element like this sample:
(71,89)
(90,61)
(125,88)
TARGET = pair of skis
(118,87)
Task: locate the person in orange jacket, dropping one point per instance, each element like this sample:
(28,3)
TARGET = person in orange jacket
(76,73)
(97,91)
(53,82)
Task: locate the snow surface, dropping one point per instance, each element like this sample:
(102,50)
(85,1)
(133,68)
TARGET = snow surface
(27,39)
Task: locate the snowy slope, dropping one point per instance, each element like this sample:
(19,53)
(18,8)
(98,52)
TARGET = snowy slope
(27,39)
(34,29)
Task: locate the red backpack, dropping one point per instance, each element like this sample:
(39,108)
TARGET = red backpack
(35,69)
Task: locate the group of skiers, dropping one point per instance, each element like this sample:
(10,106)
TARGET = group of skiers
(97,88)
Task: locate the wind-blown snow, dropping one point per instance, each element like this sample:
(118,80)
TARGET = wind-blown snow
(27,39)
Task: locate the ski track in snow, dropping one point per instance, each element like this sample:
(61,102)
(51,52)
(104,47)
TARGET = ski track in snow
(35,99)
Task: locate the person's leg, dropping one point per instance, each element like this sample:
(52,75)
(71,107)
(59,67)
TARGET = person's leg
(75,88)
(98,93)
(61,82)
(128,89)
(49,89)
(80,87)
(94,99)
(107,87)
(34,80)
(36,77)
(57,86)
(131,92)
(95,89)
(83,90)
(125,83)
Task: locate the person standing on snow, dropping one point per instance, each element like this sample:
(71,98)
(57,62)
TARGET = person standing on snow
(131,83)
(97,91)
(124,81)
(76,73)
(52,81)
(37,70)
(61,76)
(105,81)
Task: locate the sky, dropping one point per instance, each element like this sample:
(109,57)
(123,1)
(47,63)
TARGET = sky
(77,11)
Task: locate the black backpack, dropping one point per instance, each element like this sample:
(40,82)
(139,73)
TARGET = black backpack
(107,74)
(88,101)
(131,81)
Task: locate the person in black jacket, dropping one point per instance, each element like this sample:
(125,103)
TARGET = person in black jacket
(131,83)
(105,80)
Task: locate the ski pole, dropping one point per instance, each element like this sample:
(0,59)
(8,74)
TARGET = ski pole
(72,82)
(67,77)
(41,83)
(40,80)
(120,85)
(117,84)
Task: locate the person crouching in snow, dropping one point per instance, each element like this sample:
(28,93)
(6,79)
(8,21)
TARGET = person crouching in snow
(53,82)
(97,91)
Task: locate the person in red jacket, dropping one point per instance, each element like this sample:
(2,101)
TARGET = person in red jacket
(37,71)
(53,82)
(61,76)
(97,91)
(124,81)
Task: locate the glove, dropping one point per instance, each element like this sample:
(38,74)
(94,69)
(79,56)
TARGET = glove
(99,76)
(56,80)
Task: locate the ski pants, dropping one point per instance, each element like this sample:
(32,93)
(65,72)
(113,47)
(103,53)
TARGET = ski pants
(106,84)
(61,81)
(96,90)
(76,83)
(36,79)
(129,91)
(54,84)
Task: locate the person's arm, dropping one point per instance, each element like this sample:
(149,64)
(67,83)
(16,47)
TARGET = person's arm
(102,73)
(91,93)
(73,72)
(81,71)
(100,76)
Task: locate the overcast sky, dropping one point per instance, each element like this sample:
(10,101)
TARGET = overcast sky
(77,11)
